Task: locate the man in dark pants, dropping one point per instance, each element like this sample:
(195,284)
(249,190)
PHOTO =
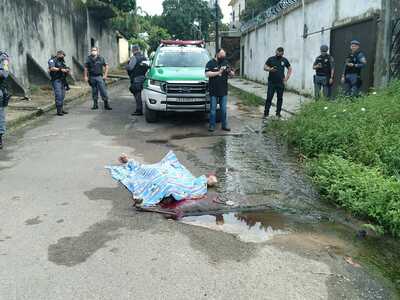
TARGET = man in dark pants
(96,72)
(58,73)
(276,65)
(137,71)
(218,72)
(351,77)
(4,96)
(324,67)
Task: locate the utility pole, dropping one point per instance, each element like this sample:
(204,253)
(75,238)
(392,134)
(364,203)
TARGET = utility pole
(216,26)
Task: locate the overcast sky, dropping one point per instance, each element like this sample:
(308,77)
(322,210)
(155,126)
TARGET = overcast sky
(154,7)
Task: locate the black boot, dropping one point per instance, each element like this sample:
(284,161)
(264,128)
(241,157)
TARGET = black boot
(64,111)
(1,141)
(95,105)
(59,111)
(107,105)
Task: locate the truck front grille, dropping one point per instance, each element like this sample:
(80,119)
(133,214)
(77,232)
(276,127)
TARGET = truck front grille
(186,89)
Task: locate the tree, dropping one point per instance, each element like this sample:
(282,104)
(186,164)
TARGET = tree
(122,5)
(179,17)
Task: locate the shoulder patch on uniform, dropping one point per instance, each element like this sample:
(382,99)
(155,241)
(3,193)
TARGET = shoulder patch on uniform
(51,60)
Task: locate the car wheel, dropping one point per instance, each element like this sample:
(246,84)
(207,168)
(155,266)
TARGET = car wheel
(151,115)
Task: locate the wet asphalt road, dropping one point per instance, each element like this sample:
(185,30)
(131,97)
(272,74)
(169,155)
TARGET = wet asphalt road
(67,230)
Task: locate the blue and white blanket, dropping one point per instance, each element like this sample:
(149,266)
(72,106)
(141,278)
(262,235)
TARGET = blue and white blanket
(153,183)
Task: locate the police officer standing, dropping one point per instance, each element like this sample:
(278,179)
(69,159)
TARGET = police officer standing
(4,96)
(58,73)
(351,77)
(324,67)
(96,72)
(276,65)
(137,71)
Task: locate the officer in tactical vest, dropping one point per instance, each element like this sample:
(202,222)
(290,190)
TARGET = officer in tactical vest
(4,96)
(58,73)
(137,71)
(324,67)
(96,72)
(351,77)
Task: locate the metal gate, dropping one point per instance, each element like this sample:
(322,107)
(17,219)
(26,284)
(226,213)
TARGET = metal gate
(395,50)
(364,31)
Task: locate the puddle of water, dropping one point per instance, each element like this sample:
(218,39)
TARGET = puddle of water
(251,227)
(264,172)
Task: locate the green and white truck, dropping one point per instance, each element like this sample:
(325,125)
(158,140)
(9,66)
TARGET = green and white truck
(176,80)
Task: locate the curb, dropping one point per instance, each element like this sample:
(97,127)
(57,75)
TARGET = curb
(273,104)
(11,125)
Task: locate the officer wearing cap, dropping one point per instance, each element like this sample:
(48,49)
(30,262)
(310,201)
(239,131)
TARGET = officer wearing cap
(58,73)
(351,77)
(324,67)
(137,70)
(96,72)
(4,96)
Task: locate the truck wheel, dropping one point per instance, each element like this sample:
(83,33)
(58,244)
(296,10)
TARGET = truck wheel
(151,115)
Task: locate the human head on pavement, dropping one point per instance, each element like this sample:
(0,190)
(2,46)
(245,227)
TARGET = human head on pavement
(324,49)
(135,49)
(280,51)
(60,54)
(355,46)
(94,51)
(221,54)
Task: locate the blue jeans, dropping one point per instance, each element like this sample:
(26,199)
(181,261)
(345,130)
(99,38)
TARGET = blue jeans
(59,91)
(213,110)
(352,85)
(2,116)
(322,82)
(98,85)
(2,120)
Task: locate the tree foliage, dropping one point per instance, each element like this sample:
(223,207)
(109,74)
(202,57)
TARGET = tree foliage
(179,17)
(122,5)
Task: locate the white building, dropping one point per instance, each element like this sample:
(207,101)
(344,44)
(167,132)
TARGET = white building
(237,7)
(301,30)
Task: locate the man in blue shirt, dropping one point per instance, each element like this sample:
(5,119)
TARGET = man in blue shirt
(351,77)
(58,73)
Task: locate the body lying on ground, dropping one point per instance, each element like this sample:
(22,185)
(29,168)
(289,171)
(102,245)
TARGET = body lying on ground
(153,183)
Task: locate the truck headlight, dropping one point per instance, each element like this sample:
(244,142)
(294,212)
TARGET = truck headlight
(157,85)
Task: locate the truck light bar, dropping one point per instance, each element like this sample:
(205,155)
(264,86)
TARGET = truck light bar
(182,43)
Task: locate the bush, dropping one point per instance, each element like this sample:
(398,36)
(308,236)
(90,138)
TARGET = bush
(354,149)
(362,190)
(365,131)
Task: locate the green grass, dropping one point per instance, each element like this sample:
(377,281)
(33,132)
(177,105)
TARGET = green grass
(247,98)
(353,152)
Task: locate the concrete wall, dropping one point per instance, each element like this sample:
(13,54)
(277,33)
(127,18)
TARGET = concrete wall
(287,31)
(32,30)
(123,46)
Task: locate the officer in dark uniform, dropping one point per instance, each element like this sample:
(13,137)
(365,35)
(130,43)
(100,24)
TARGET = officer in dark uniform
(58,73)
(96,72)
(4,96)
(276,65)
(324,67)
(351,77)
(137,71)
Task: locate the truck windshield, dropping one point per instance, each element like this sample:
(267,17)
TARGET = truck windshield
(190,59)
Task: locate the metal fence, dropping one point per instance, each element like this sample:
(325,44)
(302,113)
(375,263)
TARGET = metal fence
(395,50)
(270,13)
